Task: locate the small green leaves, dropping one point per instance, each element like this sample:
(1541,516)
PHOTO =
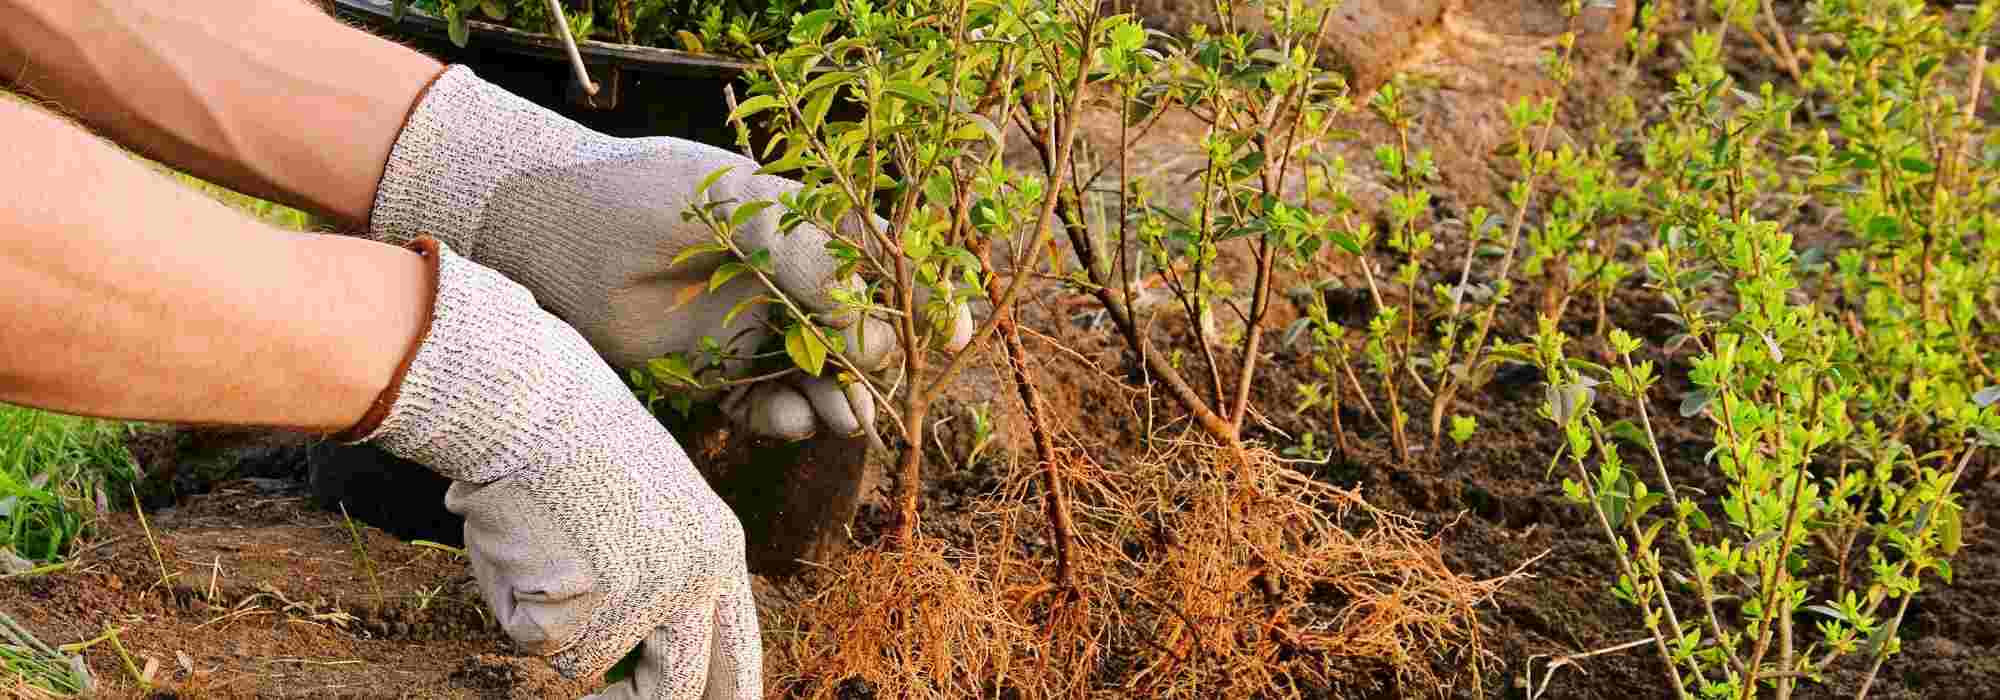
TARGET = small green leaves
(1950,527)
(816,108)
(1885,228)
(752,106)
(1346,241)
(1462,428)
(690,42)
(1568,401)
(806,350)
(1694,401)
(745,305)
(760,260)
(747,211)
(708,182)
(984,125)
(725,272)
(1628,431)
(455,25)
(699,249)
(672,370)
(812,27)
(912,91)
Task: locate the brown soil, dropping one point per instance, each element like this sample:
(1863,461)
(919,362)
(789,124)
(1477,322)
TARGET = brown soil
(268,599)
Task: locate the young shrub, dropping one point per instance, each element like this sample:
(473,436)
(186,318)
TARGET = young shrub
(1845,402)
(934,81)
(1196,566)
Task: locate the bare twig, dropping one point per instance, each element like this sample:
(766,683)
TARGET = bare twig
(1549,672)
(561,29)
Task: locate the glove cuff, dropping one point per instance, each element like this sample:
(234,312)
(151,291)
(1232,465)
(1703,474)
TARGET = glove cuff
(430,250)
(491,376)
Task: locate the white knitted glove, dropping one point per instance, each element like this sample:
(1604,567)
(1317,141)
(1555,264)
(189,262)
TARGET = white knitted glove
(591,225)
(588,529)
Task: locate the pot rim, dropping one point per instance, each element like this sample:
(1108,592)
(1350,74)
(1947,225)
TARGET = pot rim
(510,40)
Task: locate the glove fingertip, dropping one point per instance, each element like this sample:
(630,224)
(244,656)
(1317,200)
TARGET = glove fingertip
(870,344)
(830,405)
(962,328)
(780,412)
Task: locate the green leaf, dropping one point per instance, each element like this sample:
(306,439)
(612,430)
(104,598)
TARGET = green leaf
(805,350)
(760,260)
(938,190)
(671,369)
(1916,165)
(690,43)
(986,125)
(709,181)
(812,26)
(455,25)
(1625,429)
(724,273)
(1829,612)
(752,106)
(1587,367)
(916,246)
(828,81)
(1949,526)
(1651,533)
(816,109)
(748,211)
(1699,518)
(1346,241)
(742,306)
(1885,227)
(496,10)
(1462,428)
(910,90)
(1694,402)
(695,250)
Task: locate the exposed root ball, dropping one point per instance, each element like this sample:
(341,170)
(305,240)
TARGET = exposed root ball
(1194,583)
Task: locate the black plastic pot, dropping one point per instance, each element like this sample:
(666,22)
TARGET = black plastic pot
(795,500)
(645,91)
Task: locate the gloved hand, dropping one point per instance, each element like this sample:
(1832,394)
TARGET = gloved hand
(588,530)
(591,224)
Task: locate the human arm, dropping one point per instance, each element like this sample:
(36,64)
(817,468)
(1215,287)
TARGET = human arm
(273,99)
(128,296)
(281,101)
(132,297)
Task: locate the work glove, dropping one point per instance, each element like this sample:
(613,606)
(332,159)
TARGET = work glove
(592,224)
(587,528)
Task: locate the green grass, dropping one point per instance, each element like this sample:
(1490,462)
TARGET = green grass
(53,469)
(26,659)
(278,215)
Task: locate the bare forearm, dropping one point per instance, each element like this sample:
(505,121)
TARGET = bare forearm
(130,296)
(273,99)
